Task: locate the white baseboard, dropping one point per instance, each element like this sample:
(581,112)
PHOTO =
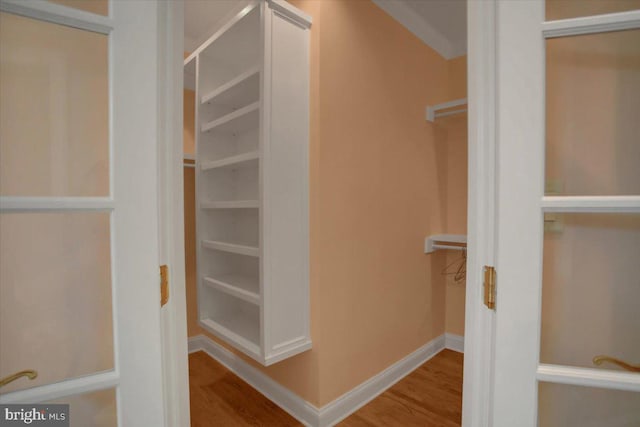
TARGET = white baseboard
(454,342)
(334,412)
(351,401)
(299,408)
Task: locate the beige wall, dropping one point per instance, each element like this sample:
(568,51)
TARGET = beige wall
(379,177)
(189,139)
(455,140)
(456,215)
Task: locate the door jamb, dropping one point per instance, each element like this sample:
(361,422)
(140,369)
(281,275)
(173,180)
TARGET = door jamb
(481,213)
(171,212)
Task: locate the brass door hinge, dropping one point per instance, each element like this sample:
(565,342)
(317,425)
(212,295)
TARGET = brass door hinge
(164,285)
(490,287)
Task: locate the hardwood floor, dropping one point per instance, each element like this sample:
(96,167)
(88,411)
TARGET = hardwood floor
(429,396)
(219,398)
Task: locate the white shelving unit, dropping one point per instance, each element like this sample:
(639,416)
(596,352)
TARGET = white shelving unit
(252,121)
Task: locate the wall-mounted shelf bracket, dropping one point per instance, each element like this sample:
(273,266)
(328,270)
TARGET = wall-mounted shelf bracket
(445,241)
(446,109)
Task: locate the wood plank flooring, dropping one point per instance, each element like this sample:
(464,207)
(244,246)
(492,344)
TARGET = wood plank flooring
(429,396)
(219,398)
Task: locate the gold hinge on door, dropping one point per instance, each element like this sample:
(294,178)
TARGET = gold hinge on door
(490,287)
(164,285)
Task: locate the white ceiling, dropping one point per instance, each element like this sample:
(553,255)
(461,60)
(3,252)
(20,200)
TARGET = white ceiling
(442,24)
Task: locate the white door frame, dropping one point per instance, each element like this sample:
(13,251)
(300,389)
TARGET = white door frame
(479,321)
(171,212)
(481,215)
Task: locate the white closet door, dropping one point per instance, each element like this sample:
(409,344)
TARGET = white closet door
(79,282)
(566,344)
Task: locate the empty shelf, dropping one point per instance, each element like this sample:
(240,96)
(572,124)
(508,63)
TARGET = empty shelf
(243,287)
(231,204)
(241,90)
(243,119)
(231,247)
(241,330)
(230,161)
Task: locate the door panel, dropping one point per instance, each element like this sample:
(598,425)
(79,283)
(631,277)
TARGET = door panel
(55,298)
(592,105)
(590,289)
(562,405)
(571,293)
(54,109)
(79,208)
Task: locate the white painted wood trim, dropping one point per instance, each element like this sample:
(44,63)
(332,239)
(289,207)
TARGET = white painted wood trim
(589,377)
(291,12)
(231,247)
(230,84)
(135,52)
(481,219)
(592,24)
(189,59)
(305,412)
(614,204)
(284,187)
(520,139)
(454,342)
(241,343)
(231,160)
(348,403)
(235,291)
(234,204)
(62,389)
(263,183)
(231,116)
(29,204)
(288,349)
(58,14)
(171,157)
